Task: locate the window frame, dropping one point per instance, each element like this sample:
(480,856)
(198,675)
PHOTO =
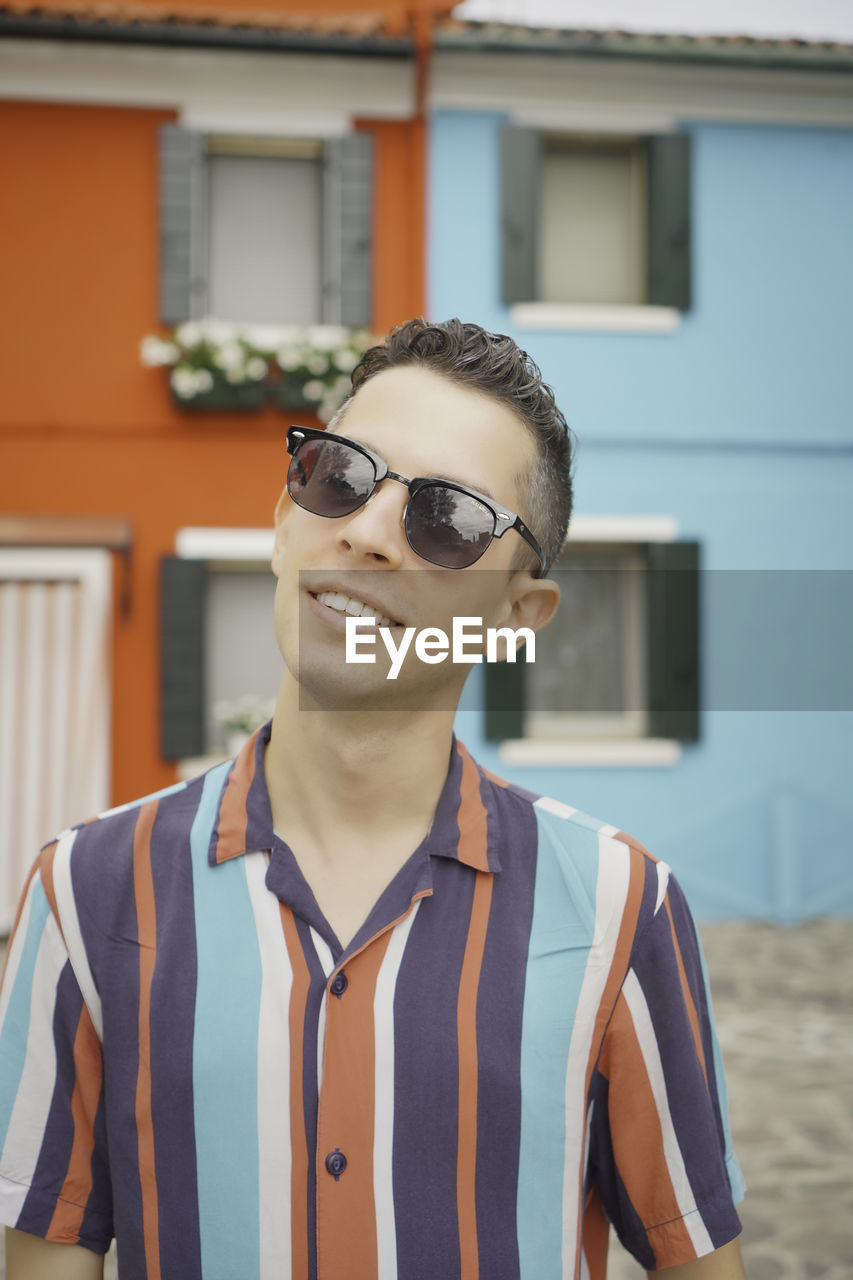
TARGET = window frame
(673,620)
(184,578)
(633,151)
(667,239)
(347,179)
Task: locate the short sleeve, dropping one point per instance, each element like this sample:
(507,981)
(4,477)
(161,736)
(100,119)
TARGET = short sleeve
(54,1179)
(660,1150)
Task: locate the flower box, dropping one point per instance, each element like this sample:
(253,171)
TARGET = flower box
(222,366)
(289,393)
(224,397)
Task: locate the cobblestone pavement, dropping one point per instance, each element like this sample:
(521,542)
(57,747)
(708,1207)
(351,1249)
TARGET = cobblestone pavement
(783,1000)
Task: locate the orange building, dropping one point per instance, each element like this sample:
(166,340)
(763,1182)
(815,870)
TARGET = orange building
(96,456)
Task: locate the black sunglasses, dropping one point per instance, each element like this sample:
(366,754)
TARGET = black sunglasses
(446,523)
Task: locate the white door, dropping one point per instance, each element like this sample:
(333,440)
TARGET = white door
(55,616)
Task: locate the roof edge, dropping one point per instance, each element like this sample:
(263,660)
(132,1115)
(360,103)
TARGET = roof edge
(201,35)
(471,37)
(449,36)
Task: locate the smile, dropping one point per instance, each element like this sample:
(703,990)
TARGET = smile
(354,608)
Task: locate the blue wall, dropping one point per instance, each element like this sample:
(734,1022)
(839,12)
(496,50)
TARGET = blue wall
(739,425)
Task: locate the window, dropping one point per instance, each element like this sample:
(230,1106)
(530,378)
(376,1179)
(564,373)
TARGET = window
(55,641)
(595,220)
(621,657)
(243,658)
(265,230)
(589,678)
(217,636)
(265,250)
(591,221)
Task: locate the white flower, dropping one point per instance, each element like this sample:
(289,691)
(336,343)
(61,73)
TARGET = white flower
(189,334)
(345,360)
(317,364)
(256,368)
(289,358)
(203,380)
(229,356)
(183,380)
(155,351)
(217,332)
(314,390)
(235,374)
(263,337)
(325,337)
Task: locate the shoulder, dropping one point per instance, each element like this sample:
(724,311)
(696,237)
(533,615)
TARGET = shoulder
(93,861)
(583,858)
(567,825)
(105,878)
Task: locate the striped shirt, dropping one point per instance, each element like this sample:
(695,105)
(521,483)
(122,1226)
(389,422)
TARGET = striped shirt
(515,1047)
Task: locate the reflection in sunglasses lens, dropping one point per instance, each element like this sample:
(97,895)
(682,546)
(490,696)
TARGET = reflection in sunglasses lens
(448,527)
(330,479)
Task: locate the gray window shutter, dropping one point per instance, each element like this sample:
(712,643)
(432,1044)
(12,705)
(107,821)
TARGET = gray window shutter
(669,220)
(183,224)
(183,596)
(505,685)
(673,607)
(348,230)
(520,164)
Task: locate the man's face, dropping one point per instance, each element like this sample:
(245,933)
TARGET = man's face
(422,425)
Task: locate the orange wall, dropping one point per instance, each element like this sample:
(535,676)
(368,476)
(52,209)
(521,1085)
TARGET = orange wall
(399,216)
(85,429)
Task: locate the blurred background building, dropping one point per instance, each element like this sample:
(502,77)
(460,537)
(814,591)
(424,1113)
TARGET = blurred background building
(660,215)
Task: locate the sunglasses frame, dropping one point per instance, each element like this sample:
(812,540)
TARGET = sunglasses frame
(504,519)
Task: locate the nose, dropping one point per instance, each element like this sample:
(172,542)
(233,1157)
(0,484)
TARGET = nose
(375,531)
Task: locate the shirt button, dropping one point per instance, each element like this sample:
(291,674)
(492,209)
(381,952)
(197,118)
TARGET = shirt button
(339,984)
(336,1162)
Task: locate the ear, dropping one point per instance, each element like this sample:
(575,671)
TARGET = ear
(282,509)
(534,601)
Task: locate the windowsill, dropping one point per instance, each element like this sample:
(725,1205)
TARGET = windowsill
(592,318)
(586,754)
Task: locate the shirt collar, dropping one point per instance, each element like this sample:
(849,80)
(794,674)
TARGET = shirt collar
(464,827)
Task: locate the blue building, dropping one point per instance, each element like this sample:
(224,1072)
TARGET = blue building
(666,224)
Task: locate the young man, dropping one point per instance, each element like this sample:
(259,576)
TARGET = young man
(349,1007)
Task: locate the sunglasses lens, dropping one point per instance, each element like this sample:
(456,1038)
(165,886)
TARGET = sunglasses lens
(448,528)
(329,478)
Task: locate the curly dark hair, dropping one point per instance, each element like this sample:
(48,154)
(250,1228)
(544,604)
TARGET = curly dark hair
(494,365)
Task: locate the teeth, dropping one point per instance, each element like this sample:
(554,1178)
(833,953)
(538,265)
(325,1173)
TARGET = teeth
(356,608)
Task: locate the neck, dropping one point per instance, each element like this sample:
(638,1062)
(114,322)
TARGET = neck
(368,773)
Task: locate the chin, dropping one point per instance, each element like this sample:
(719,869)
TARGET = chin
(325,686)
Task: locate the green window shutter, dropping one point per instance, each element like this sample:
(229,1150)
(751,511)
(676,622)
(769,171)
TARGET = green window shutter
(673,613)
(520,164)
(183,224)
(505,699)
(669,220)
(348,230)
(183,597)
